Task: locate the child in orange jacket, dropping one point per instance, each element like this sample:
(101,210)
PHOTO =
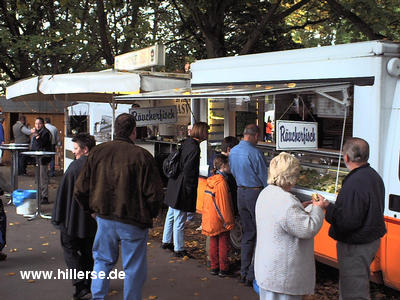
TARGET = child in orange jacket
(217,216)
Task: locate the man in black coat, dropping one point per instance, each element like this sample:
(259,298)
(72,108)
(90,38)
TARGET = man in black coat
(41,141)
(357,220)
(181,193)
(77,227)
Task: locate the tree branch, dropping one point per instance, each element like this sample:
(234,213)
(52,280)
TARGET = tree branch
(7,70)
(291,9)
(308,23)
(186,24)
(257,32)
(356,20)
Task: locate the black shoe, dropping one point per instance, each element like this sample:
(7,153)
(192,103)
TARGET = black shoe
(83,294)
(167,246)
(249,283)
(214,271)
(223,273)
(180,253)
(45,200)
(3,256)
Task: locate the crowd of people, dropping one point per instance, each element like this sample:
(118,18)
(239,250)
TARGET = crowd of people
(278,230)
(110,194)
(42,137)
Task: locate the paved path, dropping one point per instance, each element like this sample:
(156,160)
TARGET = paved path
(34,245)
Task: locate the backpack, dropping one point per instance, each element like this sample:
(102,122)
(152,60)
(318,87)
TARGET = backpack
(171,163)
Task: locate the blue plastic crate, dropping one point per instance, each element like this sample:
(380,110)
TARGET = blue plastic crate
(255,287)
(19,196)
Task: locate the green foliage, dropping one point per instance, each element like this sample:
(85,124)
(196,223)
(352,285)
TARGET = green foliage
(47,37)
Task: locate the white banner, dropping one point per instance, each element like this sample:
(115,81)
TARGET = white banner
(155,115)
(294,135)
(139,59)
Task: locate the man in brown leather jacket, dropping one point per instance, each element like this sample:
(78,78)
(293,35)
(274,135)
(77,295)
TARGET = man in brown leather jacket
(121,184)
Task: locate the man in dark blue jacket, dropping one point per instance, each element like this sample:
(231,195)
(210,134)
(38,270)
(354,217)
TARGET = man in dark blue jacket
(357,220)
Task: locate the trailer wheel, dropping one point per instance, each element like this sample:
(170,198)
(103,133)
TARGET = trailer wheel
(236,234)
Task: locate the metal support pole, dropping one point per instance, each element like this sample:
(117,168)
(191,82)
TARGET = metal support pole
(113,117)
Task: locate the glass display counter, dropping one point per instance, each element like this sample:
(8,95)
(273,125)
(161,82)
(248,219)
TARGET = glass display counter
(319,171)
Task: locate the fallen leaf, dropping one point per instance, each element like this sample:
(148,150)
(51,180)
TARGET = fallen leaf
(235,298)
(44,251)
(148,244)
(154,278)
(11,274)
(203,278)
(42,237)
(11,224)
(171,261)
(17,223)
(53,232)
(171,279)
(114,292)
(30,281)
(45,244)
(153,297)
(13,250)
(196,294)
(185,258)
(29,249)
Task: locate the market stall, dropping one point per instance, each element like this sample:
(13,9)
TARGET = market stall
(89,103)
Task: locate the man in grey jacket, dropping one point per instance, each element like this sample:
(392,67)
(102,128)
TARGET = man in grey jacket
(21,136)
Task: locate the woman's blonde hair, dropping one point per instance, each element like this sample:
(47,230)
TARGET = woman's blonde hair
(283,170)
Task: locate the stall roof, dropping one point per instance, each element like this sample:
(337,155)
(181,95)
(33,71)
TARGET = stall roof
(236,91)
(92,86)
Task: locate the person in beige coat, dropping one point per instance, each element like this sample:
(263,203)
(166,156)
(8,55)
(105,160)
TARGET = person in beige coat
(284,255)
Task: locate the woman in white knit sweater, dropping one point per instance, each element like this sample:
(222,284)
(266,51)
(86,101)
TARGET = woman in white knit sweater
(284,256)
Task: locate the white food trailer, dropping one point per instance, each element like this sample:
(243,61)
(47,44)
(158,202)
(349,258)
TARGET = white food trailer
(349,90)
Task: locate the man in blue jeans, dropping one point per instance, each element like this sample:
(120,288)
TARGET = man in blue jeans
(249,167)
(121,184)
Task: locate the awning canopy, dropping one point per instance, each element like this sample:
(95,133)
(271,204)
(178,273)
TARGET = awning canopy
(244,92)
(92,86)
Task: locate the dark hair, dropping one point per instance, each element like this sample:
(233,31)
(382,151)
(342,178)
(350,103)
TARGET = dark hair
(40,119)
(356,149)
(47,120)
(84,140)
(199,130)
(219,161)
(124,125)
(22,118)
(228,142)
(251,129)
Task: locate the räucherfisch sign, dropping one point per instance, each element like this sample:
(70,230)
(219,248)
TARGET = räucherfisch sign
(292,135)
(155,115)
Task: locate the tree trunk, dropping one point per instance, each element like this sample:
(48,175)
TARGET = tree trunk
(103,31)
